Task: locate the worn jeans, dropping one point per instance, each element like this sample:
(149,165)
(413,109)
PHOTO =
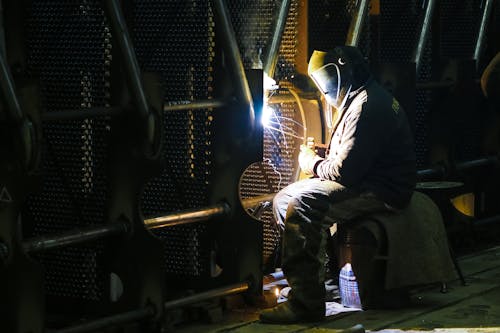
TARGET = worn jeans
(304,211)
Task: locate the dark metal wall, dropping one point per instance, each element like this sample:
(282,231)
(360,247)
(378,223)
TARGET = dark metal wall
(70,51)
(459,28)
(176,40)
(400,25)
(92,166)
(328,23)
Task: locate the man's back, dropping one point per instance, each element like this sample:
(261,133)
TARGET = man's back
(372,147)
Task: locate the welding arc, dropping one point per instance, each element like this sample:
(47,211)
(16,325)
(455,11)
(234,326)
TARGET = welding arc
(302,113)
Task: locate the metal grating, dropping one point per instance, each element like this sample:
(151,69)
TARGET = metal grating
(275,172)
(459,23)
(423,100)
(400,24)
(69,48)
(253,23)
(175,39)
(459,27)
(285,67)
(329,23)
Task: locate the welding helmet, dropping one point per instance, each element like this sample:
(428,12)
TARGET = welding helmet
(338,73)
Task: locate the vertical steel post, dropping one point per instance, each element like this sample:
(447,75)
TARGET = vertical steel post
(478,50)
(357,24)
(273,46)
(132,70)
(424,32)
(233,57)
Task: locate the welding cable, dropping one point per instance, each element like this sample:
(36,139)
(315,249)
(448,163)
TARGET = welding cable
(302,113)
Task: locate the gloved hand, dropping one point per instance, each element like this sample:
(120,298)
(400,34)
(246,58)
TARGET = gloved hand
(308,159)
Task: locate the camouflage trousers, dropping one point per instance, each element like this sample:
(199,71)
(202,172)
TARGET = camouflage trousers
(305,210)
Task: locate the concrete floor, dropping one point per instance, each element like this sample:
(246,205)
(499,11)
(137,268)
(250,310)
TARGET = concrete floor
(474,308)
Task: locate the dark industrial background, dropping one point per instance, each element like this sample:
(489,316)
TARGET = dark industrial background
(136,176)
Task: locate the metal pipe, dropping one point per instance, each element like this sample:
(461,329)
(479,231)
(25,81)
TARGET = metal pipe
(439,84)
(234,58)
(358,328)
(73,237)
(357,24)
(424,32)
(486,221)
(485,161)
(9,92)
(80,114)
(482,31)
(132,70)
(435,172)
(253,201)
(187,216)
(98,324)
(219,292)
(460,166)
(435,84)
(273,46)
(194,105)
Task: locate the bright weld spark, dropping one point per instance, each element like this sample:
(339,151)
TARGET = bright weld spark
(270,162)
(285,132)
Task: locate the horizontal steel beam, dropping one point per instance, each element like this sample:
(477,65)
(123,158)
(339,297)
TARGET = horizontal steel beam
(101,323)
(79,114)
(194,105)
(485,161)
(210,294)
(486,220)
(435,84)
(440,170)
(253,201)
(187,216)
(437,171)
(73,237)
(439,84)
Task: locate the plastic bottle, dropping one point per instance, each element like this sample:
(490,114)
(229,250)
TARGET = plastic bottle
(348,288)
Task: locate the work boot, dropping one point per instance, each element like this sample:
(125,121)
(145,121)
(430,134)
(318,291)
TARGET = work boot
(290,313)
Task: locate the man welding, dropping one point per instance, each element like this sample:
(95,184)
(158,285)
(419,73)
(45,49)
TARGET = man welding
(369,168)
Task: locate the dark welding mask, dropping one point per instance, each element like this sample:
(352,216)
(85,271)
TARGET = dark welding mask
(338,73)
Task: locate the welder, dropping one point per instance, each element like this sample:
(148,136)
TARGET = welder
(370,167)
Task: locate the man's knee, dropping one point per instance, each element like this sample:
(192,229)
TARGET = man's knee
(306,209)
(280,204)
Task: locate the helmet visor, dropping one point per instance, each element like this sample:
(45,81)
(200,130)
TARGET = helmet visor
(327,79)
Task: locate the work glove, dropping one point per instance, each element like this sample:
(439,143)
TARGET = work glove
(308,159)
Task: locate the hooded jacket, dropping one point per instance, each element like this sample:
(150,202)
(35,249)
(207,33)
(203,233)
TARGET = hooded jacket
(371,147)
